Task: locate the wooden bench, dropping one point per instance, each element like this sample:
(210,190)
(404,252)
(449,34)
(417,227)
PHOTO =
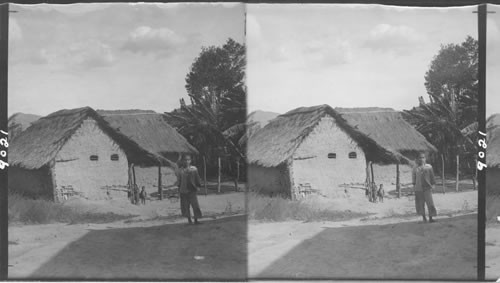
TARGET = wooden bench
(171,193)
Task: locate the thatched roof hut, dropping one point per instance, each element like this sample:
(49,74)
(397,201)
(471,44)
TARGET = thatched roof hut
(40,143)
(278,140)
(388,128)
(149,130)
(493,141)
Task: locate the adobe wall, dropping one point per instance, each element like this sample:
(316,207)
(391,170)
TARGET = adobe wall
(268,180)
(148,177)
(312,167)
(30,183)
(386,174)
(91,179)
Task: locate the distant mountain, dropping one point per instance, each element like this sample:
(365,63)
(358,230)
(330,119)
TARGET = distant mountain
(19,122)
(256,121)
(261,117)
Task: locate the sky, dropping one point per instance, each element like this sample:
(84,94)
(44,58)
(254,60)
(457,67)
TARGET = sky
(110,56)
(493,61)
(346,55)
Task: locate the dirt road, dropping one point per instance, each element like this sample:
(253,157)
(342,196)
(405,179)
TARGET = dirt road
(391,243)
(214,250)
(446,249)
(156,244)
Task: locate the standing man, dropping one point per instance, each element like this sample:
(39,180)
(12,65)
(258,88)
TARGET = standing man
(189,181)
(423,183)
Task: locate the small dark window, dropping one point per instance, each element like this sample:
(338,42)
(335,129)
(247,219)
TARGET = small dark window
(352,155)
(332,155)
(94,157)
(114,157)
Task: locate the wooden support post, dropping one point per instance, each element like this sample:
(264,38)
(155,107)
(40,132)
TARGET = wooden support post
(373,175)
(372,184)
(458,172)
(133,174)
(205,174)
(134,184)
(368,175)
(160,189)
(398,182)
(52,170)
(474,178)
(130,182)
(442,174)
(218,174)
(237,174)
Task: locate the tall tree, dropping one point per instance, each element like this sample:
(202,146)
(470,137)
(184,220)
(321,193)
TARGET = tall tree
(451,84)
(453,75)
(215,85)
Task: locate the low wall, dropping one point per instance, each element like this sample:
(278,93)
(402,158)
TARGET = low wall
(386,174)
(30,183)
(269,180)
(148,177)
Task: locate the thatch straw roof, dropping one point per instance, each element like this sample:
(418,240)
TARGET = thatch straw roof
(493,141)
(388,128)
(40,143)
(278,140)
(149,130)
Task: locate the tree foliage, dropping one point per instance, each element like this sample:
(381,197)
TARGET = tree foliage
(214,120)
(453,75)
(446,121)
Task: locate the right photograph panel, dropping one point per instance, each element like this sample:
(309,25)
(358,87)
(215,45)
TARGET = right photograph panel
(361,147)
(492,241)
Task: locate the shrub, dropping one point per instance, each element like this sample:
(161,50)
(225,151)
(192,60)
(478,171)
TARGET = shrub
(281,209)
(39,211)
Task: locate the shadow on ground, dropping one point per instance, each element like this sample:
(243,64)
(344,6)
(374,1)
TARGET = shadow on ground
(446,249)
(214,250)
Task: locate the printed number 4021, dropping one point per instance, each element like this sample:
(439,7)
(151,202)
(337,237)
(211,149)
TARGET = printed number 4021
(481,154)
(3,153)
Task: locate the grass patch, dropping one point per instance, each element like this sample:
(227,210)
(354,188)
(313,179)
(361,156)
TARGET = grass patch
(228,211)
(282,209)
(39,211)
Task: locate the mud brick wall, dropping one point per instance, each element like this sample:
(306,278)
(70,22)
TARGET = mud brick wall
(386,174)
(30,183)
(148,177)
(312,166)
(269,181)
(87,177)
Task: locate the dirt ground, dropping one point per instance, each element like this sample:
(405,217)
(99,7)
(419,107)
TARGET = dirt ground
(153,245)
(390,243)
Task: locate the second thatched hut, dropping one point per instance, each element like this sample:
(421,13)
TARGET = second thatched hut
(320,150)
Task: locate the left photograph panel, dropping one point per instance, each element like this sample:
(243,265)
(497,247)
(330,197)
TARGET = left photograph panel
(127,141)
